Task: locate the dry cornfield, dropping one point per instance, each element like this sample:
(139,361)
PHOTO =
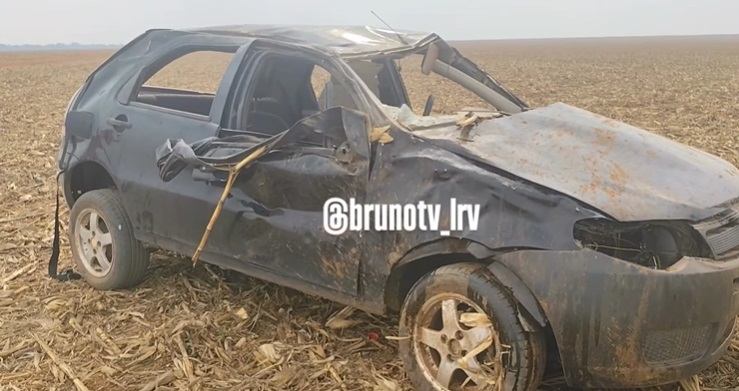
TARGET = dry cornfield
(207,329)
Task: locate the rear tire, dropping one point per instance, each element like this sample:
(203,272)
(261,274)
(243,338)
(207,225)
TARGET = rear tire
(430,316)
(104,248)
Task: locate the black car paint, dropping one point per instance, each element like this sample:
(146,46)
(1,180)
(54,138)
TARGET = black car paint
(527,228)
(602,315)
(274,215)
(407,170)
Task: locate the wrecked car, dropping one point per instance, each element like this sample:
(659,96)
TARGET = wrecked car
(602,249)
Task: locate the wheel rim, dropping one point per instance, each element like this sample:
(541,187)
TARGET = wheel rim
(94,243)
(456,345)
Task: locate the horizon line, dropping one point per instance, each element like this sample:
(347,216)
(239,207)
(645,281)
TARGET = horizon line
(80,44)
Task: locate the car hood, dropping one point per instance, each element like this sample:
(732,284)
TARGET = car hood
(625,172)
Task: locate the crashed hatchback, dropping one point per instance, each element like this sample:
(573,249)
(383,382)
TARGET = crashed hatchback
(601,250)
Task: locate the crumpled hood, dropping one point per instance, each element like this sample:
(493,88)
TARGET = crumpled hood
(627,173)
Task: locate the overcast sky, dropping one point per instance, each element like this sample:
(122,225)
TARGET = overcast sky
(106,21)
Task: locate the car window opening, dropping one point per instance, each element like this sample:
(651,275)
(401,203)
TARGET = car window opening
(392,79)
(194,94)
(285,90)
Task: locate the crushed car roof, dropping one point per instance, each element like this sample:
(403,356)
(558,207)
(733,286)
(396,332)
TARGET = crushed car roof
(344,40)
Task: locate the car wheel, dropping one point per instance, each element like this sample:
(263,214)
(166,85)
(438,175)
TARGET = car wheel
(104,248)
(460,329)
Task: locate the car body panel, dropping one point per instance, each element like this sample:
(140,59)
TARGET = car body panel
(155,211)
(346,41)
(275,213)
(619,325)
(409,170)
(628,173)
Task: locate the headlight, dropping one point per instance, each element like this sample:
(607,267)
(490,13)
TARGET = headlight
(656,245)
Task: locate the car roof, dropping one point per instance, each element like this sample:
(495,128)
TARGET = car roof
(344,40)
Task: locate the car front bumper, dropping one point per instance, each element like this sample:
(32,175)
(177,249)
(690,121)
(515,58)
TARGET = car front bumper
(620,325)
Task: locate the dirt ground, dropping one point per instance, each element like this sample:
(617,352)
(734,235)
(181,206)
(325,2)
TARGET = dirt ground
(205,329)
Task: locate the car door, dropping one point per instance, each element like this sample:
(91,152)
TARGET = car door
(273,218)
(174,214)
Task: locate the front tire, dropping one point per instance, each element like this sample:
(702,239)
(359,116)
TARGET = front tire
(463,331)
(104,248)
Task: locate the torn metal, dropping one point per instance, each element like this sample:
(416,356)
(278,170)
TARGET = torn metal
(218,154)
(347,41)
(627,173)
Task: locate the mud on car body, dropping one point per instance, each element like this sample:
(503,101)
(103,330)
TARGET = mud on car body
(602,249)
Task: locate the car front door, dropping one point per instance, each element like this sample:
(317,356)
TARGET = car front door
(273,219)
(174,214)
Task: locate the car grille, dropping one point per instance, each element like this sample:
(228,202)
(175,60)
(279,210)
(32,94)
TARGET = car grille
(676,346)
(722,233)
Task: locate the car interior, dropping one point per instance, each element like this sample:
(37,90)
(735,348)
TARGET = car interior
(289,89)
(180,100)
(284,90)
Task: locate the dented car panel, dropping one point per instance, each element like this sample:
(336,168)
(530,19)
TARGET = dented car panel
(621,242)
(273,216)
(513,214)
(407,170)
(620,170)
(347,41)
(617,323)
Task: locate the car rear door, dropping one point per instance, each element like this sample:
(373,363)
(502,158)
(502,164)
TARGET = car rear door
(172,215)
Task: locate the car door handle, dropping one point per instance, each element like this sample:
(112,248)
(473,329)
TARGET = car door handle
(118,123)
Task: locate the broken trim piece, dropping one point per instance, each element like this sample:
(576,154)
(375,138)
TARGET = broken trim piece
(232,174)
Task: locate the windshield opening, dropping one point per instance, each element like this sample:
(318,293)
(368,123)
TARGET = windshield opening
(443,95)
(452,87)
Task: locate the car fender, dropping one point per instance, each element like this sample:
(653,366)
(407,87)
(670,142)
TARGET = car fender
(517,288)
(520,292)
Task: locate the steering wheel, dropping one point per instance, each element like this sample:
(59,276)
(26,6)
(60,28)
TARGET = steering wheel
(264,122)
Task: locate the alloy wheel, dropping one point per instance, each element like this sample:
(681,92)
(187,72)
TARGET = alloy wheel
(94,242)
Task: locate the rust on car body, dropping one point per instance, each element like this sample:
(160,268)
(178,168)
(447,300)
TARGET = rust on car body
(602,232)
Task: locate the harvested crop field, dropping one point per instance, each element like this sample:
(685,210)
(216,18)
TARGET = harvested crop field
(207,329)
